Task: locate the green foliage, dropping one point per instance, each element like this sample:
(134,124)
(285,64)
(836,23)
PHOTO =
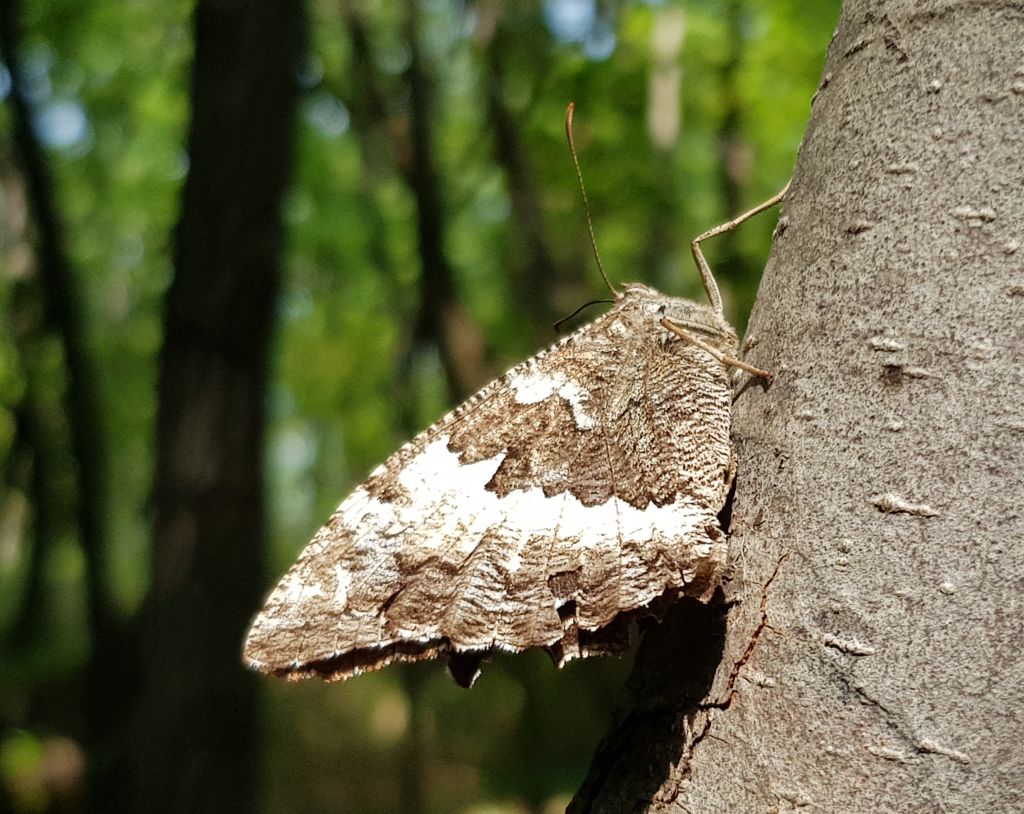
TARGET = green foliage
(342,395)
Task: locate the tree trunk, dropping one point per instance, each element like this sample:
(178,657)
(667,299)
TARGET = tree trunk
(872,661)
(442,321)
(196,744)
(534,271)
(63,316)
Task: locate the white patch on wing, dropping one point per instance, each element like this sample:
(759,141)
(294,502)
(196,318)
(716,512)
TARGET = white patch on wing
(577,397)
(531,386)
(343,579)
(449,505)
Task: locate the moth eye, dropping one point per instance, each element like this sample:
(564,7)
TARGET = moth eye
(661,310)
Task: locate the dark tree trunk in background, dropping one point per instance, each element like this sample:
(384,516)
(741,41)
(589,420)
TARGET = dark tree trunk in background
(63,317)
(873,662)
(57,430)
(196,740)
(442,321)
(535,274)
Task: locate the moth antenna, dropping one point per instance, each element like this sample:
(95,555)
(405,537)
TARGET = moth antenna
(586,203)
(558,325)
(710,286)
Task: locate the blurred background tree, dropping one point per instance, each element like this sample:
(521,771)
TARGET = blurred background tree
(416,237)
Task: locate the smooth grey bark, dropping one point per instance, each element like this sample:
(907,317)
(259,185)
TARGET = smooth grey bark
(873,659)
(885,463)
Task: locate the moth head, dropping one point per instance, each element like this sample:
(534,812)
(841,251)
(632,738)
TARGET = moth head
(693,316)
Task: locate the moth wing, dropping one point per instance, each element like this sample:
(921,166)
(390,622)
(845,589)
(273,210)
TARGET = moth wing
(577,490)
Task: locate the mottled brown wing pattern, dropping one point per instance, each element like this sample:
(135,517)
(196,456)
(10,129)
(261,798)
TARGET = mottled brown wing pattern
(579,489)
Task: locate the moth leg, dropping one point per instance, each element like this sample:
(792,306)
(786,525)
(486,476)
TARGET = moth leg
(724,358)
(694,327)
(710,286)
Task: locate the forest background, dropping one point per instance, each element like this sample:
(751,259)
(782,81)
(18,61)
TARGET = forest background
(432,232)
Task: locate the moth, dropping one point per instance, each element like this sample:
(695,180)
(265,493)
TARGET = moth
(575,493)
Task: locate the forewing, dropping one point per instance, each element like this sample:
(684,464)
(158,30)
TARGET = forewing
(578,489)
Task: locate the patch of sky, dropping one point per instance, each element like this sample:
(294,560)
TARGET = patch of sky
(599,44)
(63,125)
(577,21)
(570,20)
(327,114)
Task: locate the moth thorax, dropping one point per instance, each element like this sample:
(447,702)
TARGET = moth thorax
(693,316)
(702,319)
